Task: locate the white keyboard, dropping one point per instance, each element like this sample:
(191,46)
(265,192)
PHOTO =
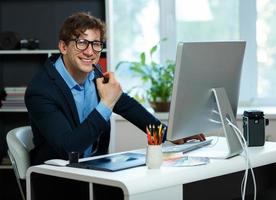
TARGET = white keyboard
(189,146)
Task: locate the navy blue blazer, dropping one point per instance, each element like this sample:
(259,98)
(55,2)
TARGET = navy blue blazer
(55,122)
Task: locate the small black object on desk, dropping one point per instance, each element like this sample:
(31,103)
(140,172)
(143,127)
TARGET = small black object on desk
(254,127)
(73,157)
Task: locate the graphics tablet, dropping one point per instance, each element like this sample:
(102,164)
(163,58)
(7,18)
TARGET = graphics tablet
(113,162)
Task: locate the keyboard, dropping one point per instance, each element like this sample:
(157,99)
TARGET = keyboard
(189,146)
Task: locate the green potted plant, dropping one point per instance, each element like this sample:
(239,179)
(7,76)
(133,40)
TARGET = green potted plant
(157,79)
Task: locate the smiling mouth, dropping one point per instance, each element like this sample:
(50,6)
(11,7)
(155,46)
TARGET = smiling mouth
(86,60)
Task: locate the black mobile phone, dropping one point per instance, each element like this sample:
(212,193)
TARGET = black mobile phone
(98,68)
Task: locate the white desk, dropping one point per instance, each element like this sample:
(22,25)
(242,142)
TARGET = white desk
(166,183)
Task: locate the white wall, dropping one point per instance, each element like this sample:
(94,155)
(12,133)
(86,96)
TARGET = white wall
(125,136)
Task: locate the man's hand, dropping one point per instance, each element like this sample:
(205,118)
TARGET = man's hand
(109,92)
(200,137)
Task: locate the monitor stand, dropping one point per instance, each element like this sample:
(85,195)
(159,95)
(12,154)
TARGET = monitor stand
(225,111)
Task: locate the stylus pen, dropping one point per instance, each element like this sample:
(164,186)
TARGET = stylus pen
(98,69)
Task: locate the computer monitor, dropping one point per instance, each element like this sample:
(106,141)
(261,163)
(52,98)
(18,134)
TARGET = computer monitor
(206,90)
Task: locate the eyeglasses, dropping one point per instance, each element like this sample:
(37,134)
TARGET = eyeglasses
(83,44)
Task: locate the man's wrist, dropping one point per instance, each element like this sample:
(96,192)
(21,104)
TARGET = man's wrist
(104,110)
(110,105)
(107,104)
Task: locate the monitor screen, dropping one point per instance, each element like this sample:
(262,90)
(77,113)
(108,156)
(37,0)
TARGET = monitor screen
(202,67)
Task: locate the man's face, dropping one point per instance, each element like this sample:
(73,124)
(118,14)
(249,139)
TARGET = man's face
(79,62)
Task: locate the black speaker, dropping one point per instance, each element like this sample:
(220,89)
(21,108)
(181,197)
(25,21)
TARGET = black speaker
(254,127)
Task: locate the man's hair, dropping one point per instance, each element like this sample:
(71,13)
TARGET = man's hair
(78,23)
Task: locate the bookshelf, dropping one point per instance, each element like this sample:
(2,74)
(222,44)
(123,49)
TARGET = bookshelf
(40,20)
(49,52)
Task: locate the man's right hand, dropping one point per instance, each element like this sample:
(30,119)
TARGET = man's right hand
(200,137)
(109,92)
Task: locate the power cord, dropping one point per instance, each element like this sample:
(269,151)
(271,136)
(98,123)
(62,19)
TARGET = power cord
(246,156)
(248,163)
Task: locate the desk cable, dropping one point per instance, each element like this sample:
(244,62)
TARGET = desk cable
(246,156)
(248,163)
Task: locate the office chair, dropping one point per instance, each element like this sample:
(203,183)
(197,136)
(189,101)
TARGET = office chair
(20,143)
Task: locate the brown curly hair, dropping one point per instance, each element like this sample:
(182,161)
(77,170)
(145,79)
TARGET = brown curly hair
(78,23)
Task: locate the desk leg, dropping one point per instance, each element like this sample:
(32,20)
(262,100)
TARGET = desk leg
(28,187)
(91,191)
(174,193)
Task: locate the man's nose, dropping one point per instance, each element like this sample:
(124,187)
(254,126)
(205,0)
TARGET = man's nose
(89,49)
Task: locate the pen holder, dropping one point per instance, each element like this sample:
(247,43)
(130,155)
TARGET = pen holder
(154,156)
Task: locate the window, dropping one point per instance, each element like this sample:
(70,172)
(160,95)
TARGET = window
(266,52)
(201,20)
(134,28)
(211,21)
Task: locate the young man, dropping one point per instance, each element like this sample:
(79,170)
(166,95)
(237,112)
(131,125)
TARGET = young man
(68,103)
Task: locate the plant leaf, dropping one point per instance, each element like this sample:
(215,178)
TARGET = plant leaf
(152,50)
(143,58)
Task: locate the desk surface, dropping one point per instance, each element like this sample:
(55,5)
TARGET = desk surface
(132,181)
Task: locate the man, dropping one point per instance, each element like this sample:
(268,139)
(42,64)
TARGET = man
(68,103)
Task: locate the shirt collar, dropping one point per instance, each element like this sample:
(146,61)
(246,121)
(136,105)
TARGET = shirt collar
(59,65)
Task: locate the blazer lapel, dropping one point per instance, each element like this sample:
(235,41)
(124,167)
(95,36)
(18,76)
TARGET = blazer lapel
(64,89)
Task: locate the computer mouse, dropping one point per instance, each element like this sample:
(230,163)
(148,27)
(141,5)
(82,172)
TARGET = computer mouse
(56,162)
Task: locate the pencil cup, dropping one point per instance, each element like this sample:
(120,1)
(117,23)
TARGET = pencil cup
(154,156)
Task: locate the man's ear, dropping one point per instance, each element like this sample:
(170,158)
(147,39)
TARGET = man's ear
(62,47)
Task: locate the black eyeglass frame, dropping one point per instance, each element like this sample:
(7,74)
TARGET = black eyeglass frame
(88,43)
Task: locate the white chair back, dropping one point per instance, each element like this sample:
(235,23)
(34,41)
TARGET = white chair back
(20,143)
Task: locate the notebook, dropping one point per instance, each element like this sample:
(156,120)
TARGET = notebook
(113,163)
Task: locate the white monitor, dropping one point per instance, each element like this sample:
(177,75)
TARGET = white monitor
(206,90)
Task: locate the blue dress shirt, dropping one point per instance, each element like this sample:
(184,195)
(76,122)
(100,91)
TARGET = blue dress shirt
(85,96)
